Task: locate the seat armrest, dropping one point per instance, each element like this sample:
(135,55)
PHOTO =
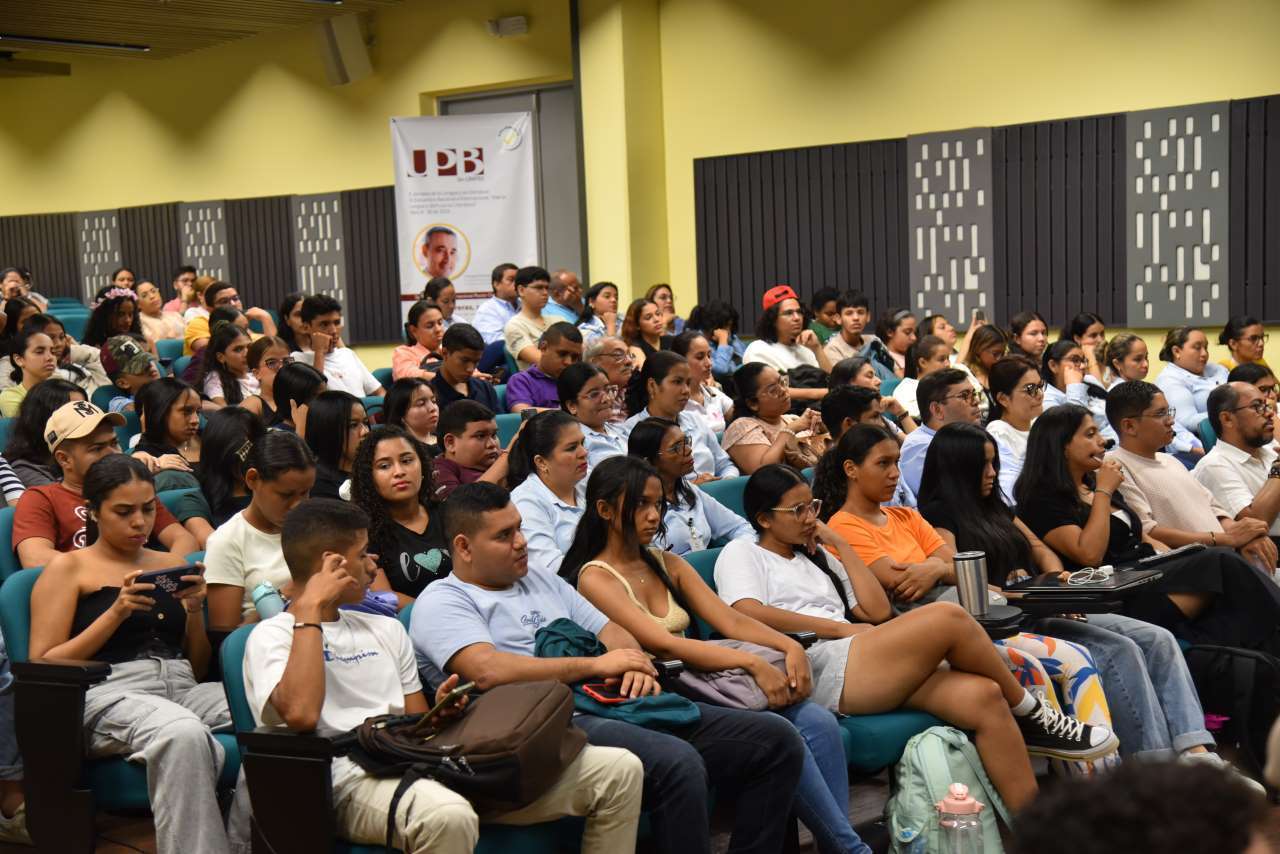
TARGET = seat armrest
(288,774)
(669,669)
(320,744)
(805,639)
(61,671)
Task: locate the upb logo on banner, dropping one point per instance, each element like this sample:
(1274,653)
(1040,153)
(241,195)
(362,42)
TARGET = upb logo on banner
(444,162)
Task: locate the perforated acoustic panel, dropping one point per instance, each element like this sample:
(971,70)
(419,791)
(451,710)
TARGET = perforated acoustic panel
(949,223)
(1177,210)
(318,245)
(98,238)
(204,237)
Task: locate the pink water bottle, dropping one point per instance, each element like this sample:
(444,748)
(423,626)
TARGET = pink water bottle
(960,831)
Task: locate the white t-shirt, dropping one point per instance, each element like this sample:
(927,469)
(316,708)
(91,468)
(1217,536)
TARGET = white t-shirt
(240,555)
(782,357)
(248,383)
(745,570)
(343,370)
(368,670)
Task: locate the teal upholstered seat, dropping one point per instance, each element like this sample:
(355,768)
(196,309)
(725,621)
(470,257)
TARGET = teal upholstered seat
(383,375)
(8,559)
(102,395)
(6,430)
(169,349)
(1207,436)
(501,391)
(728,492)
(508,424)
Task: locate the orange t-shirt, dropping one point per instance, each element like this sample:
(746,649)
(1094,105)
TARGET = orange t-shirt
(905,538)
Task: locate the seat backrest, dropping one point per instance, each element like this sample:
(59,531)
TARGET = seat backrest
(384,376)
(1207,436)
(231,656)
(6,430)
(405,615)
(132,427)
(704,563)
(887,387)
(728,492)
(169,349)
(501,391)
(508,424)
(15,612)
(74,324)
(8,560)
(180,365)
(102,395)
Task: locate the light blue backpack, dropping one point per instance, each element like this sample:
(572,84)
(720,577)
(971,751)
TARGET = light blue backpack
(932,761)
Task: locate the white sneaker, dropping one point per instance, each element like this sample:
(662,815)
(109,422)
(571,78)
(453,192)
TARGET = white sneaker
(14,828)
(1211,758)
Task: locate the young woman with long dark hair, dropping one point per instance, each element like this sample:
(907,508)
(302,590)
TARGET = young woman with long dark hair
(762,430)
(547,475)
(706,398)
(115,312)
(292,330)
(599,312)
(391,481)
(296,385)
(245,551)
(897,329)
(1064,369)
(1067,496)
(77,363)
(423,332)
(661,389)
(33,362)
(611,561)
(925,356)
(786,581)
(169,410)
(411,404)
(1017,399)
(225,378)
(587,394)
(1089,330)
(643,330)
(27,451)
(1156,711)
(336,423)
(1028,335)
(692,519)
(89,604)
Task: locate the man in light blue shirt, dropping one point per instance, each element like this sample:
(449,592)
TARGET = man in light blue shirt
(566,297)
(944,396)
(492,315)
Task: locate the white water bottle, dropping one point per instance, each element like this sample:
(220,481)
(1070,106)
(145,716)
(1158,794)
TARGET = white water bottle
(959,829)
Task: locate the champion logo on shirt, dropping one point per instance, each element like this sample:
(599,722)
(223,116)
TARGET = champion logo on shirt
(354,658)
(534,620)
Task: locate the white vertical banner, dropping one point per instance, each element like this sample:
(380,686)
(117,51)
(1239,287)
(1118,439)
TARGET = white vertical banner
(465,201)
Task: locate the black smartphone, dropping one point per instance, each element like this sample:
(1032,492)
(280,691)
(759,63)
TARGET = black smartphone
(526,414)
(979,315)
(169,581)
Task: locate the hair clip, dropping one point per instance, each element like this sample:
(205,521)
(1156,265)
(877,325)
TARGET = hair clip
(115,293)
(242,453)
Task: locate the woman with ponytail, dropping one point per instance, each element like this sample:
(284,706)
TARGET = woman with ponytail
(1064,370)
(661,390)
(786,581)
(546,472)
(611,561)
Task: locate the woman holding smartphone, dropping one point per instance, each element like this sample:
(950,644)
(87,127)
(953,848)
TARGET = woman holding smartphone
(91,604)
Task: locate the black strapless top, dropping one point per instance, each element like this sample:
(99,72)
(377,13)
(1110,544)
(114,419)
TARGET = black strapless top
(157,633)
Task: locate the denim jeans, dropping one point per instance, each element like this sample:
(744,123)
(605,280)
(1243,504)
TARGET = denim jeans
(10,758)
(1154,706)
(822,797)
(755,756)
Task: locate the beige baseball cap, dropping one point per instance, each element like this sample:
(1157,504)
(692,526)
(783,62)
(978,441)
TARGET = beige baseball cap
(75,420)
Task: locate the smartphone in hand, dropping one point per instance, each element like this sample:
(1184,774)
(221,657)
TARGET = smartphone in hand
(169,581)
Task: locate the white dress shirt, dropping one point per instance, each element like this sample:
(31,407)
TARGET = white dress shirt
(491,318)
(694,528)
(1235,476)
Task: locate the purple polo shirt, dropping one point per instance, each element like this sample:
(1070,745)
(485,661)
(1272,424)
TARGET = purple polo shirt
(531,386)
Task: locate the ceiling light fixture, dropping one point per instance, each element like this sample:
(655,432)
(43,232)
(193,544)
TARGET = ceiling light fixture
(55,42)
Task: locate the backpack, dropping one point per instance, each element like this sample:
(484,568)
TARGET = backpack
(931,762)
(505,750)
(1244,686)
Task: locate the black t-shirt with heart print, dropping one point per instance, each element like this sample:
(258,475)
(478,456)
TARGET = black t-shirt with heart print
(411,560)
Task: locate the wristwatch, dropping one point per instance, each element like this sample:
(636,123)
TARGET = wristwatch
(1275,470)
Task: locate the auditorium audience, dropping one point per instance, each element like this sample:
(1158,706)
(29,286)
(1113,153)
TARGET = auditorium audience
(1188,376)
(852,340)
(292,330)
(787,582)
(705,397)
(185,294)
(475,624)
(322,665)
(157,324)
(27,451)
(342,368)
(421,355)
(565,303)
(1090,332)
(945,396)
(600,312)
(925,356)
(411,404)
(336,422)
(761,431)
(692,520)
(89,604)
(783,343)
(229,434)
(224,377)
(391,482)
(522,331)
(586,394)
(613,550)
(265,359)
(52,518)
(662,296)
(455,376)
(296,385)
(610,354)
(492,315)
(1240,472)
(200,320)
(1246,340)
(1017,399)
(825,314)
(441,292)
(547,473)
(129,367)
(719,321)
(1065,372)
(32,362)
(469,448)
(115,312)
(1028,335)
(535,386)
(642,330)
(661,390)
(897,329)
(169,411)
(77,363)
(244,552)
(1068,496)
(986,345)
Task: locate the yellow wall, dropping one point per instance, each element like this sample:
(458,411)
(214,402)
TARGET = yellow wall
(255,117)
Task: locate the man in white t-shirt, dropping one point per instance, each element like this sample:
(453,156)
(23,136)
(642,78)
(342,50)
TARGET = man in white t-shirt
(525,328)
(1242,470)
(318,666)
(322,315)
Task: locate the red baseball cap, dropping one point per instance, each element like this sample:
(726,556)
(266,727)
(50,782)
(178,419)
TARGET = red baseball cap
(777,294)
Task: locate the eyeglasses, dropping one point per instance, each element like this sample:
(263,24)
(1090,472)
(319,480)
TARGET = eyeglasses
(1078,361)
(1162,414)
(1268,390)
(277,364)
(618,355)
(226,300)
(967,395)
(1259,339)
(1033,389)
(609,392)
(1261,407)
(778,389)
(800,511)
(679,448)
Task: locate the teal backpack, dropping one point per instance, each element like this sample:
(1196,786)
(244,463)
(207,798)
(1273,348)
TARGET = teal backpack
(932,761)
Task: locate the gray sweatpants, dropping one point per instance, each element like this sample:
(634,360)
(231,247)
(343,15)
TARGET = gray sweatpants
(152,711)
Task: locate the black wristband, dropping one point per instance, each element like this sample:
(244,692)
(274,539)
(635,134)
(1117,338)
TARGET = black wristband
(297,626)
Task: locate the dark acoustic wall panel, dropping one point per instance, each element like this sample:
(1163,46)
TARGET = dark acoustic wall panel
(830,216)
(150,238)
(46,245)
(1254,252)
(260,249)
(1059,219)
(373,278)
